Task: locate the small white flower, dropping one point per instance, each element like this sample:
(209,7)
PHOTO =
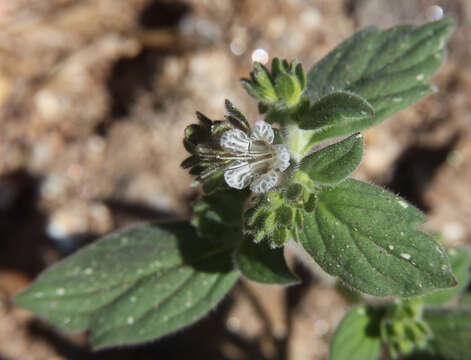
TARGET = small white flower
(255,160)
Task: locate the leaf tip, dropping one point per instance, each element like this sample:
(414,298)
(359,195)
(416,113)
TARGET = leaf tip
(449,280)
(21,299)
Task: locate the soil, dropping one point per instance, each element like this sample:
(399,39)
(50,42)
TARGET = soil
(94,97)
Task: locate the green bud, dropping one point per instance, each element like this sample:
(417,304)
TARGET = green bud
(301,76)
(279,209)
(259,236)
(275,199)
(276,67)
(285,215)
(405,346)
(299,219)
(423,327)
(407,309)
(419,332)
(288,89)
(270,222)
(398,328)
(260,222)
(311,203)
(286,66)
(256,222)
(295,191)
(280,90)
(403,330)
(280,237)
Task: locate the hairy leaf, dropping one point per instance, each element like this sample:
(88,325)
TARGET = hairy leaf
(357,337)
(134,285)
(334,112)
(367,236)
(260,263)
(214,219)
(389,68)
(333,163)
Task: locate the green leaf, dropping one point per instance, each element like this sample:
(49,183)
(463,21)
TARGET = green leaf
(367,236)
(389,68)
(452,334)
(459,260)
(134,285)
(357,337)
(335,114)
(214,219)
(333,163)
(261,263)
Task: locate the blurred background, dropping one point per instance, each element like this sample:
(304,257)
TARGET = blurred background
(94,97)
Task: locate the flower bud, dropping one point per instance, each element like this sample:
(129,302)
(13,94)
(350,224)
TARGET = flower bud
(282,88)
(403,330)
(278,216)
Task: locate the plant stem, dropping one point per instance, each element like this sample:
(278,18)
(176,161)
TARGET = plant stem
(297,141)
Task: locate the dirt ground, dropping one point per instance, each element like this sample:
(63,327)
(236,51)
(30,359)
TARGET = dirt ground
(94,97)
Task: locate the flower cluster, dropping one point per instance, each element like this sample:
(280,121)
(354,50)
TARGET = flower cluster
(403,330)
(278,216)
(245,155)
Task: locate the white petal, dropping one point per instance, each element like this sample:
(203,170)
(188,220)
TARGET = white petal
(264,182)
(239,175)
(282,157)
(262,130)
(235,140)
